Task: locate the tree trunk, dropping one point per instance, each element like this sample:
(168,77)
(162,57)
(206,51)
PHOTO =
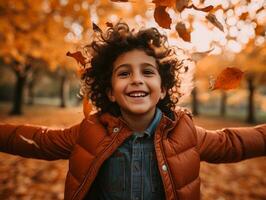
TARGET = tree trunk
(30,92)
(251,108)
(195,103)
(18,96)
(64,91)
(223,103)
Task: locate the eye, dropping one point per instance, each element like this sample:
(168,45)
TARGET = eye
(123,74)
(148,72)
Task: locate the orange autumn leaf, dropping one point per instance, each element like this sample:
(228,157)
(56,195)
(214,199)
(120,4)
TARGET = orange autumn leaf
(205,9)
(212,18)
(78,57)
(260,30)
(229,78)
(181,5)
(182,31)
(87,108)
(261,9)
(243,16)
(219,7)
(162,17)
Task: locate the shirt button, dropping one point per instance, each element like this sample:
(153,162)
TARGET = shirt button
(164,168)
(116,130)
(136,166)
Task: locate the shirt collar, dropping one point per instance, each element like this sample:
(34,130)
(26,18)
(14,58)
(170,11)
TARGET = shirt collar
(156,119)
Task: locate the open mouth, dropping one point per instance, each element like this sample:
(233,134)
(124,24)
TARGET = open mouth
(137,94)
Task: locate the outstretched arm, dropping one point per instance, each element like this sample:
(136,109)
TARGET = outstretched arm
(231,144)
(38,142)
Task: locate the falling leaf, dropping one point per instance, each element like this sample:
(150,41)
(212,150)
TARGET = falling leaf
(182,31)
(260,30)
(212,18)
(261,9)
(86,107)
(205,9)
(78,56)
(166,3)
(181,5)
(29,141)
(199,55)
(96,28)
(162,17)
(219,7)
(229,78)
(109,24)
(243,16)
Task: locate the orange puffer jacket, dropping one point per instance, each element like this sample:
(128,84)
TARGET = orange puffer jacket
(179,146)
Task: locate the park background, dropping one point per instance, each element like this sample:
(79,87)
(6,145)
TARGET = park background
(39,84)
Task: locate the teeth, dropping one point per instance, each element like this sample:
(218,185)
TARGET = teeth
(137,94)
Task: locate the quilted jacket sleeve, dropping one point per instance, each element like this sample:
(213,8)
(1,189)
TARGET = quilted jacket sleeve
(38,142)
(231,144)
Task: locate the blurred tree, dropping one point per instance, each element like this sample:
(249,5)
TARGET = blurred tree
(223,103)
(252,60)
(241,45)
(208,68)
(13,39)
(33,76)
(33,30)
(47,30)
(195,102)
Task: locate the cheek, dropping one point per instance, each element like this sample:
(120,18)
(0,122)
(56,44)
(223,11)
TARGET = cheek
(118,86)
(157,84)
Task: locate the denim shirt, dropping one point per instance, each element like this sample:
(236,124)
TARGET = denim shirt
(132,172)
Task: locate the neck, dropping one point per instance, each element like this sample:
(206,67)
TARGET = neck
(138,122)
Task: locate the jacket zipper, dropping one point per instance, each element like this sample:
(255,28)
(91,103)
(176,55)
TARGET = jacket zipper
(86,177)
(165,161)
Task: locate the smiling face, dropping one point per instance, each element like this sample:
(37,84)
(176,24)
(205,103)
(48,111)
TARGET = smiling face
(136,83)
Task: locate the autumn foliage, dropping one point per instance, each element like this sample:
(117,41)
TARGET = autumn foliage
(46,30)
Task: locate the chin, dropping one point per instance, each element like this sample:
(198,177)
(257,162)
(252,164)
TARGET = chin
(139,111)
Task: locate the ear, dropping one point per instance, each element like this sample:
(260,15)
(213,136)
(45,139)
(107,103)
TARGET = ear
(110,95)
(163,93)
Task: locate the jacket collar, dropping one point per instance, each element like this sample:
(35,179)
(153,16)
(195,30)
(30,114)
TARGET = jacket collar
(113,123)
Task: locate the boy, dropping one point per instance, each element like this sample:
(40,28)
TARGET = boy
(136,146)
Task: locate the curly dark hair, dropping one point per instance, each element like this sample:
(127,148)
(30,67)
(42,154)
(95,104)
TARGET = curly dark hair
(116,40)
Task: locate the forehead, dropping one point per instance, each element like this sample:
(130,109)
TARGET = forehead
(134,57)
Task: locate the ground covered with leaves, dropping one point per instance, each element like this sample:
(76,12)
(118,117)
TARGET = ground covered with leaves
(35,179)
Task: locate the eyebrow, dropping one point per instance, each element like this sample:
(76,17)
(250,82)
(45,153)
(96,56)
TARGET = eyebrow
(128,65)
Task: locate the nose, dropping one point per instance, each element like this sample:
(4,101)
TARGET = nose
(136,79)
